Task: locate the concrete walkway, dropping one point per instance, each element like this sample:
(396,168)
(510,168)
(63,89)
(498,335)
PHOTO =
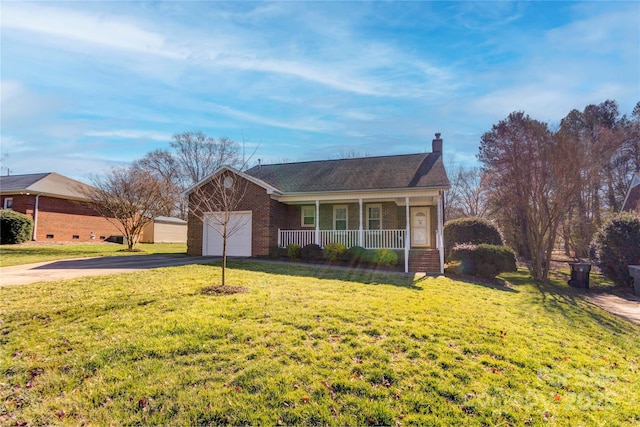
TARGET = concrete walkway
(628,307)
(80,267)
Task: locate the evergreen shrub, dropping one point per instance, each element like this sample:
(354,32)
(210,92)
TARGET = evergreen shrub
(14,227)
(474,231)
(484,260)
(294,251)
(616,246)
(334,252)
(311,252)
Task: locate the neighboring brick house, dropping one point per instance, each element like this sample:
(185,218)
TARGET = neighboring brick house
(393,202)
(57,207)
(632,199)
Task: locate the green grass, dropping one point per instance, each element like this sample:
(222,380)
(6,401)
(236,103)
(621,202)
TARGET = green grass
(27,254)
(308,346)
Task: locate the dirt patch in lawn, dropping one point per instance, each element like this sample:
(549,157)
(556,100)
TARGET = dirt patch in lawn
(223,290)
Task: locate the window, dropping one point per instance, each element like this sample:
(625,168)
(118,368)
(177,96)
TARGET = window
(374,217)
(8,203)
(339,217)
(75,237)
(308,216)
(49,236)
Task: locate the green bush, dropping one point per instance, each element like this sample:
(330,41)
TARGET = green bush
(334,252)
(474,231)
(356,254)
(276,252)
(294,251)
(14,227)
(385,257)
(616,246)
(484,260)
(311,252)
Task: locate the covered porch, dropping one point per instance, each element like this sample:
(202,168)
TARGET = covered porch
(410,224)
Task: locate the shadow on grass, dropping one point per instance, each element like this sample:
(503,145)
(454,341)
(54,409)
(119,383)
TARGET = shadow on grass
(557,297)
(359,275)
(497,283)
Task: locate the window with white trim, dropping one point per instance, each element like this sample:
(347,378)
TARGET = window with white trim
(340,215)
(374,217)
(8,203)
(308,214)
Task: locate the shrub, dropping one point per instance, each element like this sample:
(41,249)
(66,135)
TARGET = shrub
(311,252)
(277,252)
(334,252)
(484,260)
(470,230)
(385,257)
(616,246)
(294,251)
(14,227)
(356,254)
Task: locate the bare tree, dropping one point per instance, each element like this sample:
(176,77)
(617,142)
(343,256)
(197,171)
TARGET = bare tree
(193,156)
(214,201)
(532,184)
(468,194)
(200,155)
(129,198)
(162,164)
(351,153)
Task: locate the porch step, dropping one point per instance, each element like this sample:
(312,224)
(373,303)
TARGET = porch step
(424,260)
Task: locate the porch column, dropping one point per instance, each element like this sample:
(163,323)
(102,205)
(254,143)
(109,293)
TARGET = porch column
(407,238)
(441,230)
(317,236)
(360,226)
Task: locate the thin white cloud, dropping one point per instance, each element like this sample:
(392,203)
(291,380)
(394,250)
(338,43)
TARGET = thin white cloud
(307,124)
(130,134)
(81,27)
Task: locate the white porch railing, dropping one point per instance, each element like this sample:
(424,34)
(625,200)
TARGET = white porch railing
(371,239)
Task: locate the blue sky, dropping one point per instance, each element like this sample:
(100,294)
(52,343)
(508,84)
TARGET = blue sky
(89,85)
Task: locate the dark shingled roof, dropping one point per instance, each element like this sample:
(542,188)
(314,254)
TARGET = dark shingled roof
(20,182)
(368,173)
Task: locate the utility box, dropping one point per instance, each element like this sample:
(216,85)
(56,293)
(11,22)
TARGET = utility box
(579,274)
(634,271)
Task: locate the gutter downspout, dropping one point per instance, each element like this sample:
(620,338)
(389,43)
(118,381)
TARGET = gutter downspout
(35,219)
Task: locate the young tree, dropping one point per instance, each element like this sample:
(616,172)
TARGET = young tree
(129,198)
(213,203)
(530,177)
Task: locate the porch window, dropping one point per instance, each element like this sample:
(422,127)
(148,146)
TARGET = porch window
(308,214)
(8,203)
(339,217)
(374,217)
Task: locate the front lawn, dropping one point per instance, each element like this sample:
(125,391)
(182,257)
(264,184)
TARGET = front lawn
(310,346)
(28,253)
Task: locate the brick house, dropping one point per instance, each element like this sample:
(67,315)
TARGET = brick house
(632,199)
(393,202)
(59,211)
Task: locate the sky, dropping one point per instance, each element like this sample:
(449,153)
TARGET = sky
(90,85)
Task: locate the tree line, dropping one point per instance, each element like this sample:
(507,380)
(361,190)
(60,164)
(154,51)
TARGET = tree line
(541,183)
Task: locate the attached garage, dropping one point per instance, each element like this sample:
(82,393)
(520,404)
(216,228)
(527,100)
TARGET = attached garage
(238,234)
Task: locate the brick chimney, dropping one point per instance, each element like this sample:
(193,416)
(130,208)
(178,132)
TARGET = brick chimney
(437,144)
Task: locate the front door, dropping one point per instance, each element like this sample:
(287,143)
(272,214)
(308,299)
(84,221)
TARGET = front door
(420,226)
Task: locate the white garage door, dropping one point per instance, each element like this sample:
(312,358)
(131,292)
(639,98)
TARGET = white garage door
(238,234)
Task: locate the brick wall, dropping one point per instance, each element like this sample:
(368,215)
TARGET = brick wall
(63,220)
(265,221)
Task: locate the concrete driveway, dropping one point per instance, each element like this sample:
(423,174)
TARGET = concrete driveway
(79,267)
